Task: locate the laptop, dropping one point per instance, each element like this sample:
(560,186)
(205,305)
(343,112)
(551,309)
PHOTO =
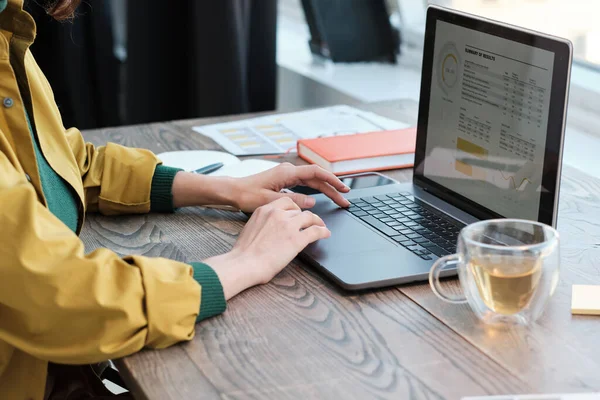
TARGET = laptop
(489,144)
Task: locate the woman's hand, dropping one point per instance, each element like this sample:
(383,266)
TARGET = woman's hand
(273,236)
(247,194)
(257,190)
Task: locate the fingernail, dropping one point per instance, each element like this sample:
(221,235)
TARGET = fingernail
(309,202)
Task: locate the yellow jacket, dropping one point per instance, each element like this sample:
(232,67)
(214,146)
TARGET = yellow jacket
(58,304)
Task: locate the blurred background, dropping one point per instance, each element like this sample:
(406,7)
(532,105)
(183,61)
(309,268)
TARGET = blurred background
(124,62)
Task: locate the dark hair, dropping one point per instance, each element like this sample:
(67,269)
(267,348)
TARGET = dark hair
(63,9)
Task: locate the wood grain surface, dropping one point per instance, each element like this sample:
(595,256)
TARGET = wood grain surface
(302,337)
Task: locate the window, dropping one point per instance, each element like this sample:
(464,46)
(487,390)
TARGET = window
(576,20)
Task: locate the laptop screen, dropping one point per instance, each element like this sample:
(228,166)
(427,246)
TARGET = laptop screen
(488,119)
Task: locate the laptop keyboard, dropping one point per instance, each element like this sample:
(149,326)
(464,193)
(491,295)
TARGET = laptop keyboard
(409,222)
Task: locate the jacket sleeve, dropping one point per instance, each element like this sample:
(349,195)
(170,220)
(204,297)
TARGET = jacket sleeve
(60,305)
(116,179)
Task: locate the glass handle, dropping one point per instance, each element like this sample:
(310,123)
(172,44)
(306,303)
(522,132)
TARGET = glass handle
(434,279)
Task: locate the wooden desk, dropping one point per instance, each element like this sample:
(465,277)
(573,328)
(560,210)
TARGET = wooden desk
(302,337)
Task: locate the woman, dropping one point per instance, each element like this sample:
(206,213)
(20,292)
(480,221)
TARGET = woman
(61,306)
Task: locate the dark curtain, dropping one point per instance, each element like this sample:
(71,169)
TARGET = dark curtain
(77,58)
(193,58)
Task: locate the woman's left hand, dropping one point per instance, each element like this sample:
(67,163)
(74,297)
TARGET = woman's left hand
(260,189)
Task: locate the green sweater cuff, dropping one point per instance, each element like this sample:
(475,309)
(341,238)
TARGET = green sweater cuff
(161,193)
(212,300)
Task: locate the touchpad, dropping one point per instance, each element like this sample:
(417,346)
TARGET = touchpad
(348,235)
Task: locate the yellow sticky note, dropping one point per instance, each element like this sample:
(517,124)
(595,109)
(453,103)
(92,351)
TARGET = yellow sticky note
(585,299)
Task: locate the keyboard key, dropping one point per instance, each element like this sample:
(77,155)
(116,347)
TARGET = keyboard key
(379,225)
(395,195)
(449,247)
(429,235)
(386,208)
(378,204)
(426,257)
(389,212)
(402,218)
(359,213)
(410,223)
(438,251)
(389,201)
(393,224)
(408,243)
(427,243)
(382,198)
(403,230)
(387,219)
(369,209)
(399,238)
(369,200)
(413,236)
(420,249)
(378,215)
(421,240)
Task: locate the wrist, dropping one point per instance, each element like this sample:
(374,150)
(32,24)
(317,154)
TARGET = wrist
(191,189)
(234,271)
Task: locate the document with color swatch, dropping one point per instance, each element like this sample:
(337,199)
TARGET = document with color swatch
(275,134)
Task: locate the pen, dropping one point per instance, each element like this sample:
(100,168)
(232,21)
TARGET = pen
(209,168)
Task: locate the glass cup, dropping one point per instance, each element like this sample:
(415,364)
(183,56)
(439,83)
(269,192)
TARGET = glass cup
(508,270)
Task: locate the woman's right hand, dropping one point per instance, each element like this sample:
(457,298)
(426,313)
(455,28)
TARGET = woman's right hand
(273,236)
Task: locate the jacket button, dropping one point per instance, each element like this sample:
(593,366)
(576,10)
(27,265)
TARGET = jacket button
(8,102)
(28,177)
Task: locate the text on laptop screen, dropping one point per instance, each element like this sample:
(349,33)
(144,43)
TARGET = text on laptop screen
(488,117)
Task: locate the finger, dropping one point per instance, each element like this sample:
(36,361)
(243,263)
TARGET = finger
(310,172)
(328,191)
(284,203)
(306,219)
(302,200)
(315,233)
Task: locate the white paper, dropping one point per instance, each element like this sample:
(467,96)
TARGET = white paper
(192,160)
(276,134)
(245,168)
